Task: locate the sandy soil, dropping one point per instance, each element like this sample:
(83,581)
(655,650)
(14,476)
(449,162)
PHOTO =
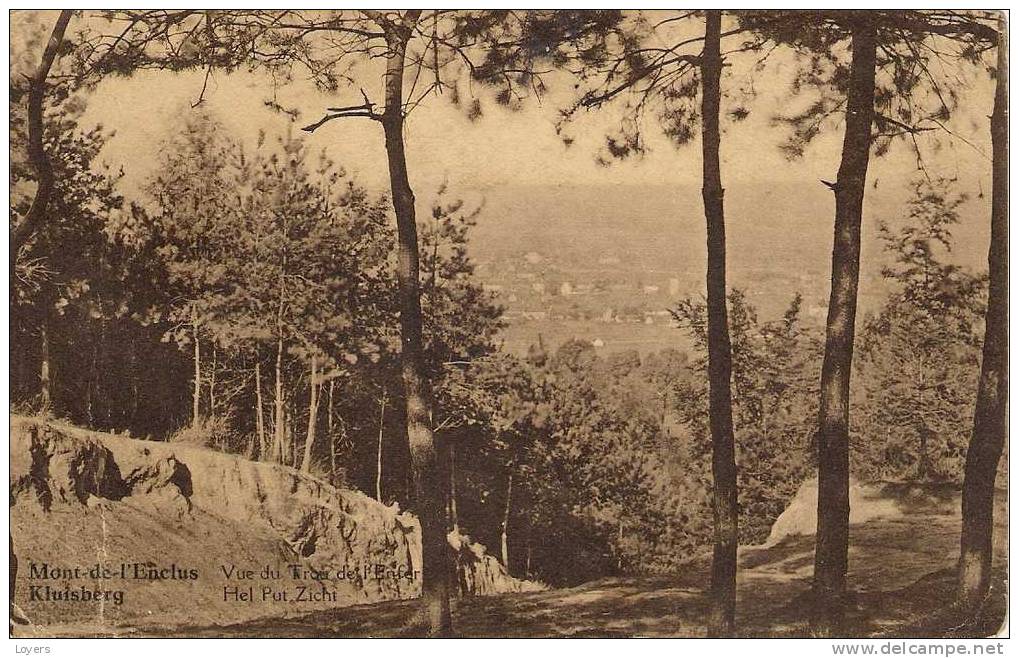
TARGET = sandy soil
(901,573)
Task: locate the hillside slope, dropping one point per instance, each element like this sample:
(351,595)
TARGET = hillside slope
(84,499)
(904,543)
(138,532)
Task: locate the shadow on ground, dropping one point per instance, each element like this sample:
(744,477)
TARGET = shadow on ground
(901,574)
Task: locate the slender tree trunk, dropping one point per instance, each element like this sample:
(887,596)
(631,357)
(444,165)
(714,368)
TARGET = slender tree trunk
(619,546)
(332,437)
(279,423)
(289,436)
(196,397)
(212,385)
(378,463)
(13,581)
(329,415)
(923,465)
(36,143)
(99,369)
(426,469)
(507,509)
(95,391)
(454,515)
(259,417)
(309,441)
(722,620)
(990,419)
(45,384)
(831,557)
(18,366)
(134,380)
(89,389)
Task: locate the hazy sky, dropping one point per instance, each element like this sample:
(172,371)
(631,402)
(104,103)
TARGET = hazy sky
(515,148)
(508,150)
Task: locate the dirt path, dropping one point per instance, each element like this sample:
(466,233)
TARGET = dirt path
(901,572)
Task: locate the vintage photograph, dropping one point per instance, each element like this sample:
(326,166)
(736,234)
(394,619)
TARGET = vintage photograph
(515,323)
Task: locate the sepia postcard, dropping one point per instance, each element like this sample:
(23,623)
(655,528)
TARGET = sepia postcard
(515,323)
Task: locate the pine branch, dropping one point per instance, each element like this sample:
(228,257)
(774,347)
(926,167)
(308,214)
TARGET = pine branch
(365,110)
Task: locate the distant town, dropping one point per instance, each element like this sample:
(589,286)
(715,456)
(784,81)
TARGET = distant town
(617,305)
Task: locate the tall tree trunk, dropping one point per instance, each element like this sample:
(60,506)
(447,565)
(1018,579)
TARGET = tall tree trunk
(309,441)
(619,546)
(12,582)
(89,389)
(923,464)
(989,420)
(454,514)
(36,143)
(18,368)
(196,396)
(259,417)
(506,511)
(329,415)
(134,380)
(212,384)
(426,469)
(378,463)
(98,370)
(332,437)
(279,423)
(45,384)
(291,443)
(722,620)
(832,545)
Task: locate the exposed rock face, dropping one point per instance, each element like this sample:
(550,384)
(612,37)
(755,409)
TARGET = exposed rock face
(878,500)
(46,468)
(113,500)
(481,574)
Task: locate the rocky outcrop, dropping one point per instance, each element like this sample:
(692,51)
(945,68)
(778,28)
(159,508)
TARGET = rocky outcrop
(120,500)
(867,502)
(48,468)
(481,574)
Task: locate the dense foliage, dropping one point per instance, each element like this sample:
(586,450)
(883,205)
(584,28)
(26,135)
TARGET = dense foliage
(921,351)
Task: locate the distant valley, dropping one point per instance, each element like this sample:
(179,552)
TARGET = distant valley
(605,265)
